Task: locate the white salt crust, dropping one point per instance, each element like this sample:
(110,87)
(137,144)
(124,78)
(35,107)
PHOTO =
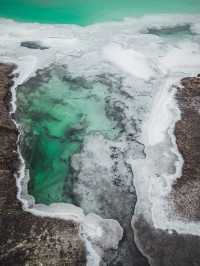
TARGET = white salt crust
(149,65)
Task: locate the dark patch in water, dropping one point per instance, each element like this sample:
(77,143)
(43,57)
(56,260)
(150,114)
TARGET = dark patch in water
(182,29)
(33,45)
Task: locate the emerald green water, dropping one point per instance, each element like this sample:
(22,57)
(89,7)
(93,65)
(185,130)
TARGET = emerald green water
(56,114)
(85,12)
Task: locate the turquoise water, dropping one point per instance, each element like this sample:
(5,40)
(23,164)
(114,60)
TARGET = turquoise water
(56,114)
(85,12)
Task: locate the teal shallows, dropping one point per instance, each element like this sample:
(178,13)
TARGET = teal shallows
(56,115)
(84,12)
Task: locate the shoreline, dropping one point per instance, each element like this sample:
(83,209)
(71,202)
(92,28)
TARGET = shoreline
(26,238)
(178,241)
(87,239)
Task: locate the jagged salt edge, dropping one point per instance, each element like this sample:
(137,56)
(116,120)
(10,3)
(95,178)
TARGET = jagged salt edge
(162,208)
(93,259)
(176,223)
(172,108)
(21,175)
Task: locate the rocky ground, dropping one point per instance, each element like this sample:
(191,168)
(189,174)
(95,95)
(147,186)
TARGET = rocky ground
(162,248)
(185,194)
(26,239)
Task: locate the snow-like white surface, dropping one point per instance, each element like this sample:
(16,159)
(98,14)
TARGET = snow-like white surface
(149,66)
(160,117)
(130,61)
(184,58)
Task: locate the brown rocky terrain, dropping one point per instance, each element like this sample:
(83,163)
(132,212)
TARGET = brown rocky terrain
(186,190)
(173,249)
(24,238)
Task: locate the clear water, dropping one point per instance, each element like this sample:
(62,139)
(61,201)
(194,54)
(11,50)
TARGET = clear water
(56,114)
(84,12)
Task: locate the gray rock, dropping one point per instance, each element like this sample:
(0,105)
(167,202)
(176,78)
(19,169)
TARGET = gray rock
(33,45)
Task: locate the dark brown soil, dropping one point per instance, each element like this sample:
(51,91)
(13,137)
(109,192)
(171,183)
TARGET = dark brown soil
(186,190)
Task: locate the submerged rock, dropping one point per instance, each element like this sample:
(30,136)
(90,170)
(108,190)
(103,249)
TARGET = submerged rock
(33,45)
(171,30)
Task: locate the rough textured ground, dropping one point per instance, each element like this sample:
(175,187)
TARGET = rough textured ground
(164,249)
(186,193)
(174,249)
(26,239)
